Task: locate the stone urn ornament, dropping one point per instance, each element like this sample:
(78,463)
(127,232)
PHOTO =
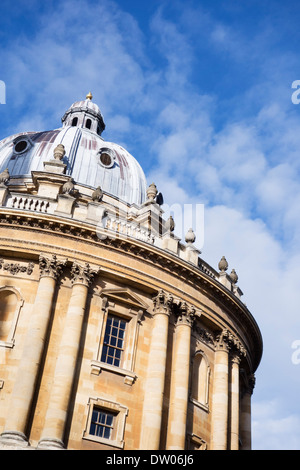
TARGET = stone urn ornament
(59,152)
(190,236)
(4,177)
(223,265)
(152,192)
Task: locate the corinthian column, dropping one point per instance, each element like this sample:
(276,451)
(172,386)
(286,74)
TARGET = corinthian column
(55,421)
(25,384)
(219,417)
(246,414)
(235,402)
(153,402)
(180,379)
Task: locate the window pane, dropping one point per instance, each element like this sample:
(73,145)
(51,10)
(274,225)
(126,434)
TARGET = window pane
(114,331)
(101,423)
(93,429)
(113,340)
(109,419)
(118,354)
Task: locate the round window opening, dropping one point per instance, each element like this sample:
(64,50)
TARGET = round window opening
(21,146)
(106,157)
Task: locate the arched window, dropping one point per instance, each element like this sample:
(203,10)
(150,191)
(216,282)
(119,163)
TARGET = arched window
(200,379)
(10,304)
(75,121)
(88,123)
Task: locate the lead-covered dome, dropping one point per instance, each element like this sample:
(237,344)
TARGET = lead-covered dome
(90,160)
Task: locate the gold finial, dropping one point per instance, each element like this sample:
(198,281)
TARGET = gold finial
(89,96)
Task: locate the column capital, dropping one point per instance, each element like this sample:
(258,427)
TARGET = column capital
(250,384)
(235,358)
(82,274)
(50,266)
(163,303)
(185,314)
(225,340)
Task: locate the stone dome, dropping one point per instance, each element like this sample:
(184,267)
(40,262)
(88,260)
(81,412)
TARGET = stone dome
(90,160)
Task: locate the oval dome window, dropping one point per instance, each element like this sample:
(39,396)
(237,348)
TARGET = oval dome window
(21,146)
(106,157)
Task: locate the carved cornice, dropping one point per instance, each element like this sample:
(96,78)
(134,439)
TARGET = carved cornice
(50,266)
(82,274)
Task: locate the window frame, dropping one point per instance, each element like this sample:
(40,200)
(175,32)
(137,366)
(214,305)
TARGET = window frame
(10,340)
(124,304)
(199,392)
(108,344)
(119,412)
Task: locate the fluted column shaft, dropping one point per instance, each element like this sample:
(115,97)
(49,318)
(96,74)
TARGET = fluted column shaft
(176,434)
(55,421)
(235,405)
(219,418)
(153,402)
(25,384)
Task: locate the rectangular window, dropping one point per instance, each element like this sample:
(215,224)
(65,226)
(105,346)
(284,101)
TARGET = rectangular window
(113,345)
(105,422)
(101,423)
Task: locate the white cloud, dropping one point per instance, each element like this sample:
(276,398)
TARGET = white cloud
(272,430)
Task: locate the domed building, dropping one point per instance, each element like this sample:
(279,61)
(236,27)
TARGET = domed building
(114,333)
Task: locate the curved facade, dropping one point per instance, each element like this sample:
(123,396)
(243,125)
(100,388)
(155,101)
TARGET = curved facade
(114,334)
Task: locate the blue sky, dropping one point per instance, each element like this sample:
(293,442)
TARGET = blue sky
(200,93)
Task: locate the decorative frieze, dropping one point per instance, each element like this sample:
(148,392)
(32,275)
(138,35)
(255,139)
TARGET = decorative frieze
(15,268)
(203,335)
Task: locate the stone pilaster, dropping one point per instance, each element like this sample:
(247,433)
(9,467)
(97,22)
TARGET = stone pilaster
(25,384)
(176,434)
(153,402)
(55,421)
